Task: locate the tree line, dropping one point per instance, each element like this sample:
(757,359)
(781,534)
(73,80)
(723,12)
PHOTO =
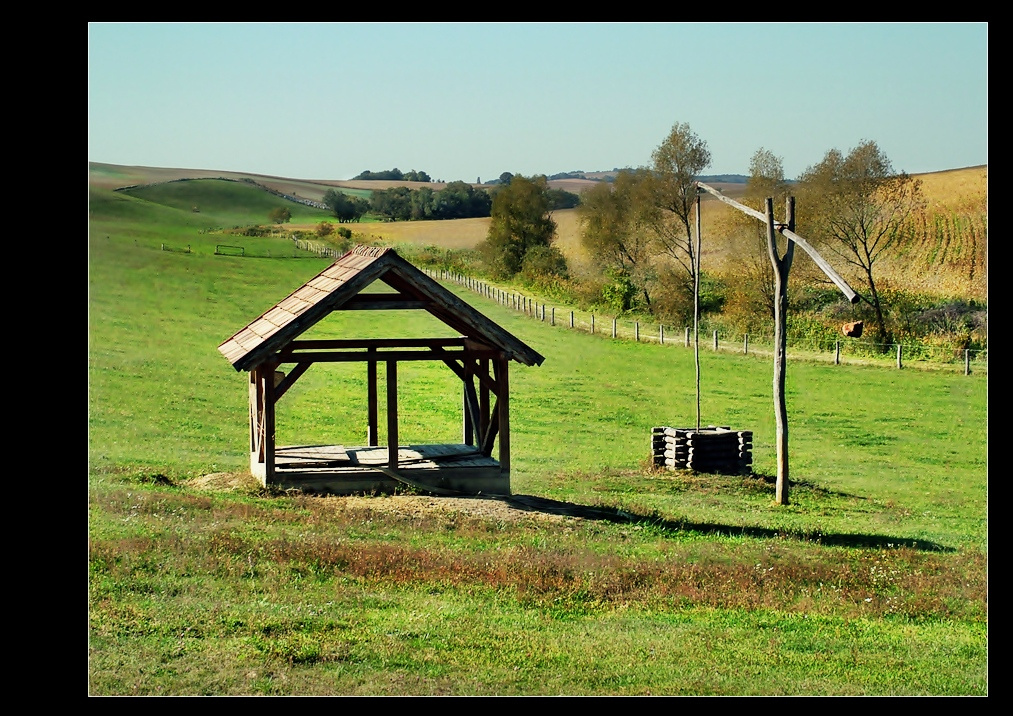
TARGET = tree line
(394,174)
(639,229)
(457,200)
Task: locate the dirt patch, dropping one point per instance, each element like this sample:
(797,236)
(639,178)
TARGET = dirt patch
(503,509)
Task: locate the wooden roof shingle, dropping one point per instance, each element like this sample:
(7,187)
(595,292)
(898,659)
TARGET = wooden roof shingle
(345,278)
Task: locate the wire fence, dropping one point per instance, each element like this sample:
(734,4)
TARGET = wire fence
(850,350)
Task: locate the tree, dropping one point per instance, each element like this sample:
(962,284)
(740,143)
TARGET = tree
(279,215)
(859,207)
(753,294)
(677,162)
(520,222)
(394,203)
(417,176)
(562,199)
(459,200)
(615,221)
(346,208)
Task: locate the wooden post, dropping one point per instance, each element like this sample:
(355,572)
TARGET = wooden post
(372,438)
(781,268)
(468,427)
(967,361)
(715,340)
(503,406)
(745,344)
(687,336)
(613,327)
(696,307)
(392,436)
(899,364)
(636,331)
(592,324)
(571,319)
(552,319)
(661,334)
(483,400)
(837,353)
(269,423)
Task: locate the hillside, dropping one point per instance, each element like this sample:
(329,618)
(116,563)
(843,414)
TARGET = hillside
(938,262)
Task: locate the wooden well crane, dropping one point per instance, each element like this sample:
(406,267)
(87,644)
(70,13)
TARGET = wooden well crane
(781,266)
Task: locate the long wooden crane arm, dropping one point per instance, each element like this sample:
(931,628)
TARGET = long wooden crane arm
(788,233)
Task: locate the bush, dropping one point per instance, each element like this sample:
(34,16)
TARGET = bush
(543,264)
(279,215)
(619,294)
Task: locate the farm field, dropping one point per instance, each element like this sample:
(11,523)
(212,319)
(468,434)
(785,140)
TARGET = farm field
(612,578)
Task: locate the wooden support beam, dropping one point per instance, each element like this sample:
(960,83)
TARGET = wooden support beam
(269,403)
(452,362)
(254,413)
(473,418)
(372,438)
(483,397)
(288,356)
(467,416)
(489,435)
(340,343)
(290,379)
(503,412)
(392,436)
(383,302)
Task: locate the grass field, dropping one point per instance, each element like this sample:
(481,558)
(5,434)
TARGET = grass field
(627,581)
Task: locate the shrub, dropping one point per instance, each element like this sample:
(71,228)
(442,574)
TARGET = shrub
(619,293)
(279,215)
(543,264)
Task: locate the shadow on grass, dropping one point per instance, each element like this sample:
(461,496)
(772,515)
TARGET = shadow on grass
(610,514)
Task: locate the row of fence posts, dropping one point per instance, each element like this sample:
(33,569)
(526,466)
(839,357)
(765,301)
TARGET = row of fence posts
(520,302)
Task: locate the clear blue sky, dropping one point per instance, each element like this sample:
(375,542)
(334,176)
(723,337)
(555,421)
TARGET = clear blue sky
(462,101)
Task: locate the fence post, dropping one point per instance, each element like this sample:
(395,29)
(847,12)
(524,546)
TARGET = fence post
(715,340)
(745,345)
(592,324)
(687,336)
(613,327)
(661,334)
(899,364)
(552,319)
(967,361)
(636,331)
(571,319)
(543,313)
(837,353)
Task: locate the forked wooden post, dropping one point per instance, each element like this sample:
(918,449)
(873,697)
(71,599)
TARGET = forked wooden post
(781,266)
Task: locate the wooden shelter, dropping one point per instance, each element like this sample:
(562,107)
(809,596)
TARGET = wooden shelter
(481,354)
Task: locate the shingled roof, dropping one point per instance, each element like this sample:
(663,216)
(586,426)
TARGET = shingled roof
(333,287)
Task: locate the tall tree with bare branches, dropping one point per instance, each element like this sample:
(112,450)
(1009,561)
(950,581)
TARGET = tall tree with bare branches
(677,162)
(858,207)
